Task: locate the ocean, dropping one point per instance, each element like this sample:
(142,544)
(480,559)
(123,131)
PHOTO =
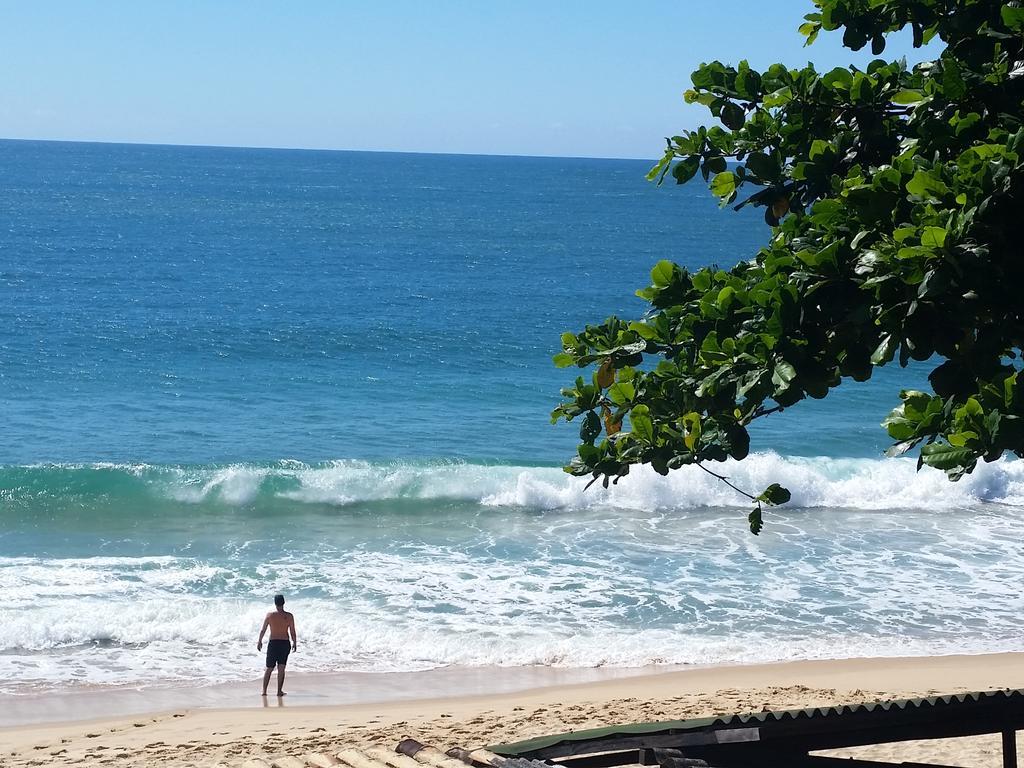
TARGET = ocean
(226,373)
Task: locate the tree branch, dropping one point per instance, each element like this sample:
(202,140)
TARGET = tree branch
(725,480)
(759,412)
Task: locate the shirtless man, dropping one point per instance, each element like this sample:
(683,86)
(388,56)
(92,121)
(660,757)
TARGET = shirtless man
(281,624)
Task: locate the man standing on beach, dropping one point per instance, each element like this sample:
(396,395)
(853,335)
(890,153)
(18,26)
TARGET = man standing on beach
(282,625)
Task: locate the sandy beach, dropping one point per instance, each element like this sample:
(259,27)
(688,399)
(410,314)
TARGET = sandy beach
(197,735)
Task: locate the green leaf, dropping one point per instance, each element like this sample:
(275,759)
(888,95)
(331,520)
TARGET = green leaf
(783,374)
(763,165)
(733,117)
(971,408)
(685,170)
(748,82)
(662,273)
(964,123)
(641,424)
(946,457)
(925,184)
(960,439)
(885,350)
(702,280)
(755,521)
(933,237)
(1009,390)
(563,360)
(643,330)
(622,392)
(715,164)
(819,148)
(691,430)
(953,86)
(658,171)
(724,184)
(774,494)
(778,98)
(907,97)
(589,453)
(861,90)
(899,427)
(900,448)
(1012,17)
(815,258)
(839,78)
(590,428)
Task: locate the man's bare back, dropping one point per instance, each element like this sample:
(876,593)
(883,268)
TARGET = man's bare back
(280,622)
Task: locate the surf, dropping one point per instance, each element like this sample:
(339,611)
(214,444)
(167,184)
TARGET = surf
(815,482)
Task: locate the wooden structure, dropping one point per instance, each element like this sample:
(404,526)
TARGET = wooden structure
(371,757)
(780,739)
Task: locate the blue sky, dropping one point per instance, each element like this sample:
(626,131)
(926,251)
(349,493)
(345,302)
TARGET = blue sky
(535,77)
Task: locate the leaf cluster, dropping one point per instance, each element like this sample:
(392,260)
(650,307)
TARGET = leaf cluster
(893,196)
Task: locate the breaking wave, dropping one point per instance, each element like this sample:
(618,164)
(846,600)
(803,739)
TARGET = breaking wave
(874,484)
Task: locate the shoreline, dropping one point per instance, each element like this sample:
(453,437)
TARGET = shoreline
(326,690)
(482,713)
(310,689)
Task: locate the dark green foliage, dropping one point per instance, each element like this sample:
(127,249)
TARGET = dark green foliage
(895,197)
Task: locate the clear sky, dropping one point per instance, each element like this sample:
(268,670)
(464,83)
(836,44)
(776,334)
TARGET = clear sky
(535,77)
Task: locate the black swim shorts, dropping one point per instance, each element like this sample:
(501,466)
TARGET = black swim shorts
(277,653)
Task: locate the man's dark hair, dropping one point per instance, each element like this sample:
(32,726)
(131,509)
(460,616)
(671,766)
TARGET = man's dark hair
(278,600)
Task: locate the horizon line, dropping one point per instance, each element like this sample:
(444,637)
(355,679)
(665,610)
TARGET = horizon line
(318,149)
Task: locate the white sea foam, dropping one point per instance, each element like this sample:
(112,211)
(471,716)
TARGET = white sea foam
(850,483)
(588,588)
(212,641)
(235,484)
(813,481)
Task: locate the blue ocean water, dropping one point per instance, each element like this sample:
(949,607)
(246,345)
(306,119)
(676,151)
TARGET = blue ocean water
(231,372)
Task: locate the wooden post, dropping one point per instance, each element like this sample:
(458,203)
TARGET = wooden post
(1009,749)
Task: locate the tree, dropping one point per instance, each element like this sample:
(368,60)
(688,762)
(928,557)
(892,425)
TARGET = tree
(894,197)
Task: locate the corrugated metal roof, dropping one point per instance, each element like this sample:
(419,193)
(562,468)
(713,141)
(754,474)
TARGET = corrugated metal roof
(954,701)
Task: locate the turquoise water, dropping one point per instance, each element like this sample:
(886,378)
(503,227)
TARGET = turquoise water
(231,372)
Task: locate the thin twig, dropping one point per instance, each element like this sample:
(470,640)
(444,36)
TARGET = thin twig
(758,412)
(725,480)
